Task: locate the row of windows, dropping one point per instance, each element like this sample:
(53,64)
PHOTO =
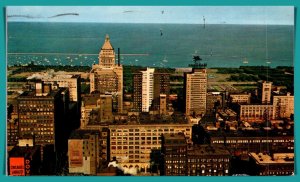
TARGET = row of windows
(149,130)
(209,160)
(37,129)
(35,114)
(245,107)
(253,141)
(40,137)
(137,143)
(135,138)
(26,122)
(37,105)
(36,102)
(45,141)
(147,134)
(37,132)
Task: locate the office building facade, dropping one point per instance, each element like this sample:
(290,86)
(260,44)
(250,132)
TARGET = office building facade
(195,92)
(107,76)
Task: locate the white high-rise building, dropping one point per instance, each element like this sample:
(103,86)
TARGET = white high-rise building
(147,89)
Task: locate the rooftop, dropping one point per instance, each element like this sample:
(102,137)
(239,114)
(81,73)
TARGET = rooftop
(178,136)
(255,132)
(83,134)
(177,118)
(207,150)
(32,94)
(90,99)
(26,152)
(277,158)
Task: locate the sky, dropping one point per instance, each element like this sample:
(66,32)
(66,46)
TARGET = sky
(275,15)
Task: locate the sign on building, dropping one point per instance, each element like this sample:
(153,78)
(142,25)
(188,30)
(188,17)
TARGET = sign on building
(16,166)
(75,153)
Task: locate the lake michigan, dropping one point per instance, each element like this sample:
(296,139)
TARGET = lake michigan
(155,45)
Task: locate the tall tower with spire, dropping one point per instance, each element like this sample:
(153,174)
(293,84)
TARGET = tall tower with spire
(107,76)
(107,57)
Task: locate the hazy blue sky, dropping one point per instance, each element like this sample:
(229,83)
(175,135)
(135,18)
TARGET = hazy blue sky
(283,15)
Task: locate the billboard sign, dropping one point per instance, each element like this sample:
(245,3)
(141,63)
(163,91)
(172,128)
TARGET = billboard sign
(16,166)
(75,153)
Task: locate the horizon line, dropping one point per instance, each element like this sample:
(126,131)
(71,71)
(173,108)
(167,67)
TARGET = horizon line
(146,23)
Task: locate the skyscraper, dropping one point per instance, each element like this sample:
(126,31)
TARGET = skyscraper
(147,88)
(42,114)
(107,76)
(195,91)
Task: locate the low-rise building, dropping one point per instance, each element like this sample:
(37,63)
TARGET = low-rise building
(208,160)
(84,151)
(257,113)
(132,143)
(181,158)
(174,148)
(241,142)
(279,164)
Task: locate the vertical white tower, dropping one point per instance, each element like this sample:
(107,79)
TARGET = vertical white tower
(147,88)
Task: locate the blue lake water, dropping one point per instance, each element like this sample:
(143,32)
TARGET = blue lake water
(162,45)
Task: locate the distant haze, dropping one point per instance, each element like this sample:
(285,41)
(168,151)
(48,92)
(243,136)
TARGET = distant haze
(272,15)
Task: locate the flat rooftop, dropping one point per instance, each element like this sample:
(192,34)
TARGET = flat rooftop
(207,150)
(279,158)
(255,132)
(83,134)
(27,152)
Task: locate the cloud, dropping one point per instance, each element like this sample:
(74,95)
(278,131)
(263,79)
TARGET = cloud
(153,14)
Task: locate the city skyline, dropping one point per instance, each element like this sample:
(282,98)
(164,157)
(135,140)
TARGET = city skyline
(109,117)
(213,132)
(261,15)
